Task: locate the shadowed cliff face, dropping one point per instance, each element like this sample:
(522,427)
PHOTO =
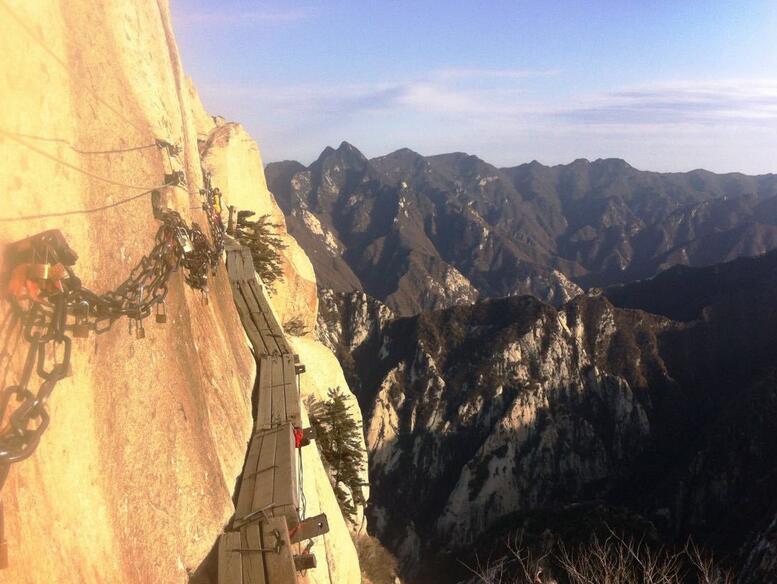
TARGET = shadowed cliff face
(428,232)
(480,416)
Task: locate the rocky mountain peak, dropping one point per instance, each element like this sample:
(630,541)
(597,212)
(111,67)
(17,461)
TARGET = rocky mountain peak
(346,155)
(416,223)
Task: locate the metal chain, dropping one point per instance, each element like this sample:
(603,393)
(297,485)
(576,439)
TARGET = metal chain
(53,307)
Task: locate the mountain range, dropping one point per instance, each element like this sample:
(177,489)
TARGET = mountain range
(506,413)
(551,348)
(428,232)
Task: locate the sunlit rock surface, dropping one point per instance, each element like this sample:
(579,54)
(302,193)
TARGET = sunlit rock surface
(234,160)
(133,480)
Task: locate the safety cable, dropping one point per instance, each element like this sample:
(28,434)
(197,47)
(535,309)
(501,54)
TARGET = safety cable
(301,487)
(64,65)
(72,166)
(84,211)
(74,148)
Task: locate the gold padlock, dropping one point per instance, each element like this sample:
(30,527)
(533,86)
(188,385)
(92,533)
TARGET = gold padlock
(81,327)
(39,271)
(81,330)
(46,271)
(161,313)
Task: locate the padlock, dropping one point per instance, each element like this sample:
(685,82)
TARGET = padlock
(81,330)
(39,271)
(161,313)
(46,271)
(183,240)
(81,327)
(140,332)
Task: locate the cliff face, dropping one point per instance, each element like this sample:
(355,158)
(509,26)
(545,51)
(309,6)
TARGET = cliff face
(134,478)
(507,406)
(233,159)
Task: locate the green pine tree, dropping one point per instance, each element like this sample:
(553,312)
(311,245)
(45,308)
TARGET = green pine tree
(338,435)
(261,238)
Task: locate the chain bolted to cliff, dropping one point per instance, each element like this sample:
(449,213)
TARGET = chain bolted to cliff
(50,303)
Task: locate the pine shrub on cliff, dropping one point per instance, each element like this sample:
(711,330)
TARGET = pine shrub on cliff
(338,435)
(261,238)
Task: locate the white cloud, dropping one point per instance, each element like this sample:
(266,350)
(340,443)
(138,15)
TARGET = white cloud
(724,124)
(657,105)
(686,102)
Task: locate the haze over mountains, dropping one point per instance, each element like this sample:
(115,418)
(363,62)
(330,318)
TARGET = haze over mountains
(426,232)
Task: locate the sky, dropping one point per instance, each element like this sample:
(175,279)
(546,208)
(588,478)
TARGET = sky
(667,85)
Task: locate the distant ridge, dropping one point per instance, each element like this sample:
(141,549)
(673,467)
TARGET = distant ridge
(421,232)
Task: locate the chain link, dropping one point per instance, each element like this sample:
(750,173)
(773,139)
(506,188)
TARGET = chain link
(54,307)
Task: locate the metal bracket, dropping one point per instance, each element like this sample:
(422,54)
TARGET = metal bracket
(310,528)
(27,250)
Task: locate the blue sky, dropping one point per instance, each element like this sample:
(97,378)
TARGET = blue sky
(666,85)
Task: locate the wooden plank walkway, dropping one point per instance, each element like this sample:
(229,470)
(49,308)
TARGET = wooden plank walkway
(258,547)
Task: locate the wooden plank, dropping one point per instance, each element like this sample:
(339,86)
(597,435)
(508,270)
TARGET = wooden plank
(264,389)
(278,392)
(259,317)
(245,495)
(245,318)
(274,328)
(264,485)
(232,267)
(253,561)
(234,263)
(286,497)
(230,561)
(249,272)
(252,322)
(279,566)
(293,405)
